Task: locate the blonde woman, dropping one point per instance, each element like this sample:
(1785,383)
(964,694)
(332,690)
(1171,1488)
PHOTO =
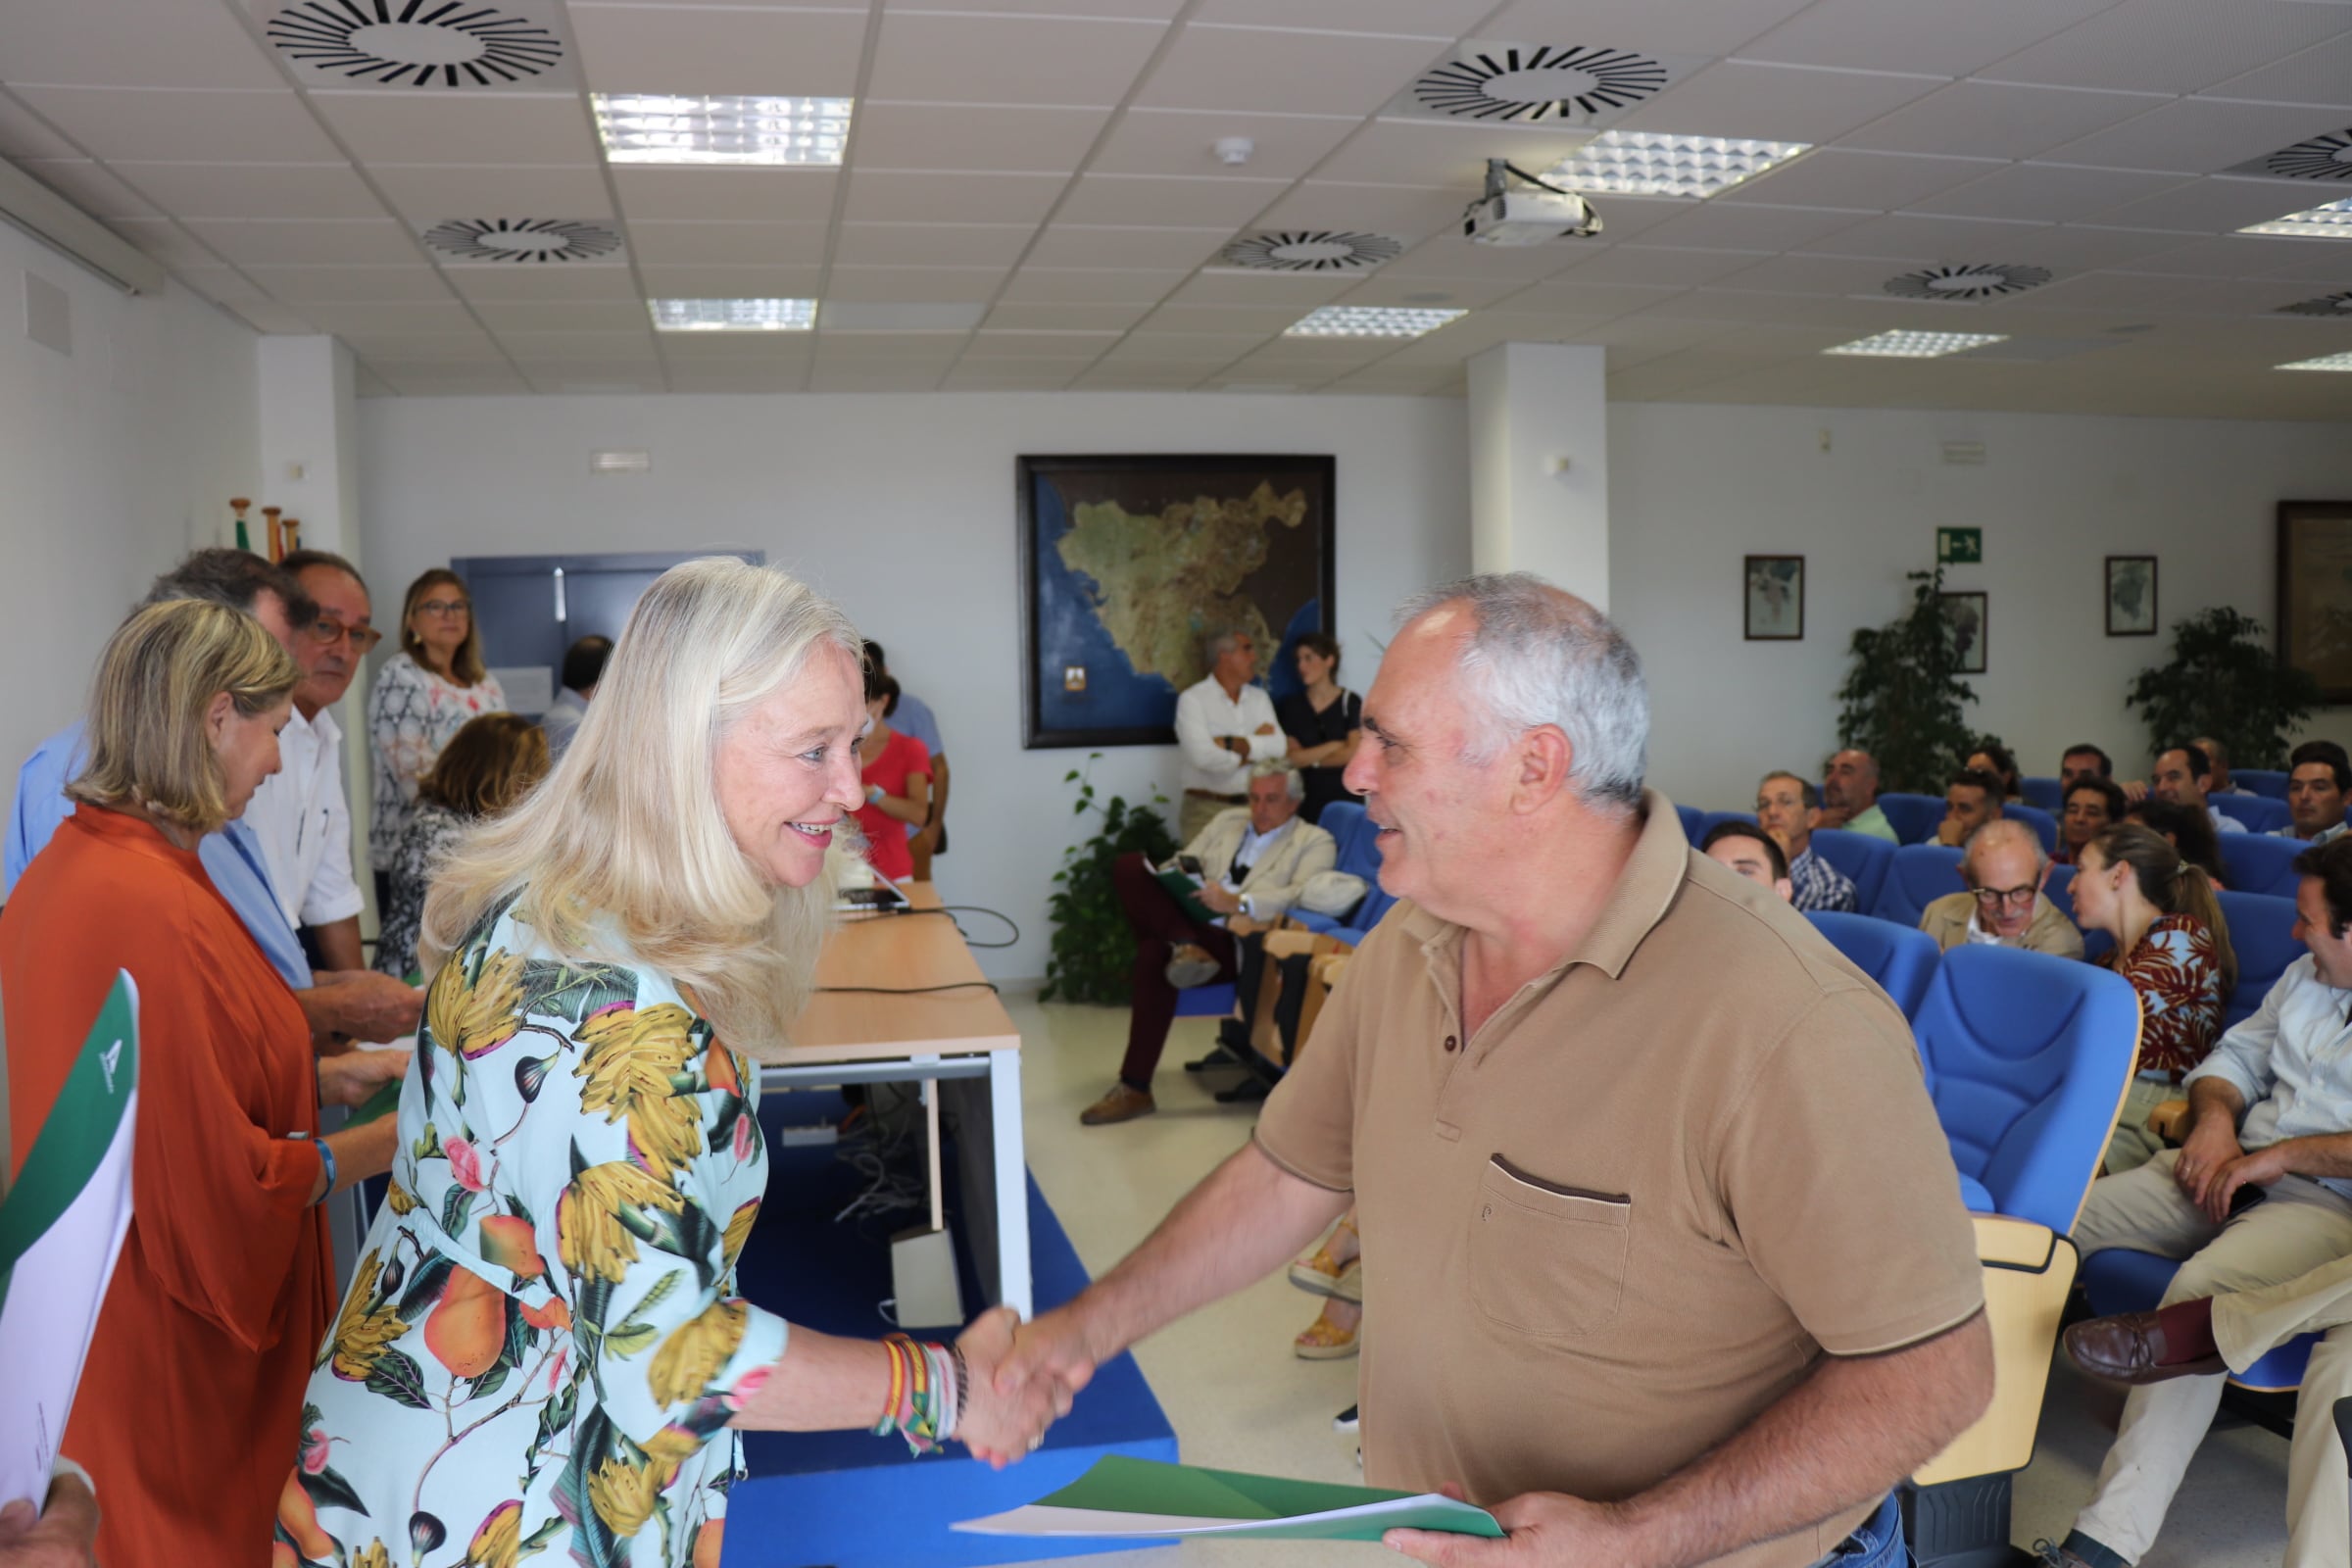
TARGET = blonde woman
(195,1374)
(424,695)
(541,1350)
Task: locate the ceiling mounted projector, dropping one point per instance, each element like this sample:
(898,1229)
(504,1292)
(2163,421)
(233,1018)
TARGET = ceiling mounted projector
(1538,217)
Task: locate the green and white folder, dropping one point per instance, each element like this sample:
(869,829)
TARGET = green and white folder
(61,1228)
(1139,1499)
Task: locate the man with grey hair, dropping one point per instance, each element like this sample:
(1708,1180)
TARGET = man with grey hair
(1563,1082)
(1223,724)
(2003,869)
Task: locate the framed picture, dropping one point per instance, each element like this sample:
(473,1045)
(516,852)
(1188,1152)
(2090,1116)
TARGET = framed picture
(2315,593)
(1776,598)
(1967,611)
(1130,564)
(2130,596)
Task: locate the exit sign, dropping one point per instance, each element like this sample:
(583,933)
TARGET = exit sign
(1959,546)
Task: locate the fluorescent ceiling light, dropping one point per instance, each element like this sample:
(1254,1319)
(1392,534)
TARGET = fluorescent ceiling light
(1368,321)
(734,316)
(1917,345)
(2325,362)
(2331,221)
(1647,163)
(657,128)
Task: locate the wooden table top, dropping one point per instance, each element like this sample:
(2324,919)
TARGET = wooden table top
(899,952)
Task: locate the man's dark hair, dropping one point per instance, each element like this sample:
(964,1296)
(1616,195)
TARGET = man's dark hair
(2327,752)
(2105,788)
(1736,829)
(2086,748)
(235,578)
(2200,766)
(2003,761)
(2189,829)
(297,562)
(584,662)
(875,658)
(2332,864)
(1976,779)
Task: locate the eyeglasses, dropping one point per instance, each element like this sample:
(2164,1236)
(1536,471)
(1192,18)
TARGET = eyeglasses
(327,632)
(444,606)
(2019,898)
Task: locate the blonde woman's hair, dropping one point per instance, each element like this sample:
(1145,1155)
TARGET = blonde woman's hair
(465,666)
(622,854)
(157,679)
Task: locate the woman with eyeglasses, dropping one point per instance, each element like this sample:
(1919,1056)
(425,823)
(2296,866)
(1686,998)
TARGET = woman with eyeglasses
(424,695)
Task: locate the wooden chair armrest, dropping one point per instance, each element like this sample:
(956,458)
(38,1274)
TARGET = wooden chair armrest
(2170,1120)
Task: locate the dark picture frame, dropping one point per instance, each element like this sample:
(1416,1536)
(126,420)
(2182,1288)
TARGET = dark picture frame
(1255,534)
(1772,593)
(2123,589)
(2315,593)
(1970,615)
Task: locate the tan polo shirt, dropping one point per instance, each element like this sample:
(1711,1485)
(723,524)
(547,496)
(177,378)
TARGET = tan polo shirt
(1605,1233)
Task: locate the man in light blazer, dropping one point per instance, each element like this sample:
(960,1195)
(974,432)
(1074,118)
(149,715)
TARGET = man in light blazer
(1255,860)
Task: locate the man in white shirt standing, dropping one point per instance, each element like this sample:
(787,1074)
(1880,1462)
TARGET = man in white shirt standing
(1223,725)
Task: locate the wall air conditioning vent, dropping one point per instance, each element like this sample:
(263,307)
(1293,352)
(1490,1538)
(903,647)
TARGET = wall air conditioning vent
(1973,281)
(1526,85)
(522,239)
(419,43)
(2328,157)
(2336,306)
(1311,250)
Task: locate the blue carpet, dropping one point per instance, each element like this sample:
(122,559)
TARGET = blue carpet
(848,1500)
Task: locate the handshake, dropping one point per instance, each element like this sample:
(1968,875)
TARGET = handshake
(1023,1378)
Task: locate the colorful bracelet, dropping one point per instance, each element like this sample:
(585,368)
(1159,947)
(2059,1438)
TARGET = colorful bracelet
(926,1392)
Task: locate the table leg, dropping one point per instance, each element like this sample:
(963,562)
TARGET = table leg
(1011,1185)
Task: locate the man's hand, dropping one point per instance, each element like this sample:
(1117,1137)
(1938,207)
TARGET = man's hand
(351,1077)
(1545,1528)
(1051,1353)
(1263,729)
(2260,1168)
(1217,898)
(64,1533)
(2135,790)
(1240,925)
(364,1005)
(2210,1148)
(1003,1427)
(1947,833)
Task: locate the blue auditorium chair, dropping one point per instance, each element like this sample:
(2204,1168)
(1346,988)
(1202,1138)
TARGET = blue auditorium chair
(1863,857)
(1901,961)
(1715,819)
(2047,792)
(1695,823)
(2044,824)
(2259,813)
(2254,863)
(1917,876)
(1914,817)
(1357,839)
(2262,936)
(2261,781)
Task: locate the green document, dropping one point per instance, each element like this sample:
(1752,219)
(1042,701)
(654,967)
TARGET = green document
(1188,897)
(383,1102)
(1145,1500)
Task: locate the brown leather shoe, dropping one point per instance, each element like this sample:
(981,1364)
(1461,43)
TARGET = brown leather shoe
(2130,1348)
(1122,1103)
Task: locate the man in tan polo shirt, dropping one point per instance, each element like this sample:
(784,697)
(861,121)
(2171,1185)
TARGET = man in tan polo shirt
(1673,1267)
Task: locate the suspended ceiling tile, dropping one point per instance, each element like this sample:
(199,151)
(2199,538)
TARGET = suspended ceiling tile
(297,285)
(1182,348)
(738,348)
(694,49)
(933,58)
(1144,249)
(423,348)
(1748,98)
(22,135)
(1003,376)
(306,191)
(1403,212)
(1797,274)
(1659,264)
(510,281)
(1004,343)
(512,317)
(633,344)
(2108,291)
(2320,74)
(307,241)
(916,285)
(1183,141)
(1717,28)
(873,379)
(974,138)
(1948,41)
(1750,226)
(443,128)
(234,127)
(1599,302)
(889,196)
(1300,291)
(1075,286)
(730,379)
(698,281)
(1251,69)
(625,378)
(1064,316)
(2313,261)
(223,285)
(1997,120)
(2073,245)
(164,240)
(1913,237)
(429,194)
(2216,206)
(729,243)
(764,193)
(1179,316)
(1452,256)
(1455,293)
(2048,193)
(376,317)
(1440,19)
(129,43)
(2198,135)
(1833,176)
(90,186)
(932,244)
(2173,45)
(1449,153)
(1172,201)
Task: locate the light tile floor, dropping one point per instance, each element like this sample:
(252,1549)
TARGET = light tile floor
(1240,1399)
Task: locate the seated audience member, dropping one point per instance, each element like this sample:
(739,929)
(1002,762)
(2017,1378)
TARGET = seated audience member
(2082,761)
(2217,753)
(195,1373)
(487,766)
(2092,807)
(913,716)
(1971,800)
(2267,1114)
(584,668)
(2183,775)
(2004,869)
(2172,943)
(2184,828)
(1324,723)
(1253,860)
(2001,762)
(2319,775)
(897,774)
(1850,796)
(1785,808)
(1746,850)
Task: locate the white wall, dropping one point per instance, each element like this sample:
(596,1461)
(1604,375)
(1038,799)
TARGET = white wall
(901,507)
(1693,488)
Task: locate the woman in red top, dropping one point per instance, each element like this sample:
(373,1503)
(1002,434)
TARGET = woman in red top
(897,769)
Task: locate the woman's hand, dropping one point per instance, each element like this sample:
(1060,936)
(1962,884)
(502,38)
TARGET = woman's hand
(1002,1428)
(349,1077)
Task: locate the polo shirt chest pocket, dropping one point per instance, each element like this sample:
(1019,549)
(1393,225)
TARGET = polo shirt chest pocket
(1545,1259)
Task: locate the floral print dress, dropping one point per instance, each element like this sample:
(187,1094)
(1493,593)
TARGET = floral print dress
(541,1345)
(411,712)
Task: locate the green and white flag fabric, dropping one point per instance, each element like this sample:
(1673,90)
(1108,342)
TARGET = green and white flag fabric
(1122,1498)
(61,1228)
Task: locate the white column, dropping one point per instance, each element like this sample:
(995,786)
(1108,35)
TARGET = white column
(1539,464)
(310,438)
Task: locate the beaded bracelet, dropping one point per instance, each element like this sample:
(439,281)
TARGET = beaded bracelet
(926,1392)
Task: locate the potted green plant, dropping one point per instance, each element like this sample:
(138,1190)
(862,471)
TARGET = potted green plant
(1903,700)
(1093,948)
(2225,681)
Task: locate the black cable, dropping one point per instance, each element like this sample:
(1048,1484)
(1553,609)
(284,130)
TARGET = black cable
(905,990)
(1540,184)
(951,909)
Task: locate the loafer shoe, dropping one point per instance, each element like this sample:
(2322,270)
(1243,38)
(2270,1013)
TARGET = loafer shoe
(2130,1348)
(1123,1103)
(1191,966)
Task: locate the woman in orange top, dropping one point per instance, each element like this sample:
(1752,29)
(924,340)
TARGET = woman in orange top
(192,1391)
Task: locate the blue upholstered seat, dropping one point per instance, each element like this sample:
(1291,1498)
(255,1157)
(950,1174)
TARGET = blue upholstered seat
(1912,816)
(2027,1057)
(1917,876)
(2261,781)
(2262,936)
(2260,813)
(1901,961)
(2257,863)
(1715,819)
(2120,1280)
(1695,823)
(2047,792)
(2044,824)
(1357,840)
(1863,857)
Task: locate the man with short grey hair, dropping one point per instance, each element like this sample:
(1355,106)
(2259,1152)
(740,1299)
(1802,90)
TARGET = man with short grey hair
(1223,724)
(1561,1083)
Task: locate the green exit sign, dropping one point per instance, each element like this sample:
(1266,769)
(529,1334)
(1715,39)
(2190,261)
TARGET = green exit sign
(1959,546)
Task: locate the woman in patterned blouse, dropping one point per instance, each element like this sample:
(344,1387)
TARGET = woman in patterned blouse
(2172,943)
(424,695)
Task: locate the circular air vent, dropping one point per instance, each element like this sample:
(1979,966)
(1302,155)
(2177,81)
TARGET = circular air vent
(1526,85)
(2328,157)
(416,45)
(522,239)
(1971,282)
(1312,250)
(2338,306)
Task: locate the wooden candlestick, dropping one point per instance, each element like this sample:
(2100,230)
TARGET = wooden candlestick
(238,504)
(278,541)
(293,536)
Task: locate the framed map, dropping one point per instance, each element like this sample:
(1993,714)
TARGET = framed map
(2315,593)
(1129,565)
